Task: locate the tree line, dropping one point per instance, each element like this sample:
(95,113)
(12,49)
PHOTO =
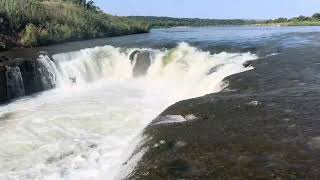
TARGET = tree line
(315,18)
(172,22)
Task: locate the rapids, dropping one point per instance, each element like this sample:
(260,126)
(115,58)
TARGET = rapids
(87,128)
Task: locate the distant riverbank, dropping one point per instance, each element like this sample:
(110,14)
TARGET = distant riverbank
(33,23)
(301,23)
(167,22)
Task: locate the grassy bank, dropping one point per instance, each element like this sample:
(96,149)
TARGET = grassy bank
(30,23)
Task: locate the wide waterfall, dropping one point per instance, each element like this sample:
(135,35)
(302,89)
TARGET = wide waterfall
(85,128)
(193,72)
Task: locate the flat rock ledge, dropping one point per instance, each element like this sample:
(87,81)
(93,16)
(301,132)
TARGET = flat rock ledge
(265,125)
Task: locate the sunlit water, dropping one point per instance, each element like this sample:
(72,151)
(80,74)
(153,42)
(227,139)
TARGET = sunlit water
(86,131)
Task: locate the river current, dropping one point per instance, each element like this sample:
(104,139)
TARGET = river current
(87,129)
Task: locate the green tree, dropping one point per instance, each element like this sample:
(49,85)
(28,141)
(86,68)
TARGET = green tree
(316,16)
(301,18)
(91,5)
(280,20)
(29,36)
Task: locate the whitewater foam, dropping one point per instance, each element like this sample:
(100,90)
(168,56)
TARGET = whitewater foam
(83,130)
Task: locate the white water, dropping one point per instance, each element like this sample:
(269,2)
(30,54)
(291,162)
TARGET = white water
(85,131)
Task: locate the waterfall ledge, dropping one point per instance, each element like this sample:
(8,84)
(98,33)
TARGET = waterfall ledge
(19,77)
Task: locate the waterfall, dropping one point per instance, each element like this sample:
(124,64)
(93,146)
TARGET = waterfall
(15,87)
(89,65)
(25,77)
(82,129)
(184,65)
(47,72)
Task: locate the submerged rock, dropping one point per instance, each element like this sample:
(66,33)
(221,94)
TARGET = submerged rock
(214,69)
(254,103)
(247,64)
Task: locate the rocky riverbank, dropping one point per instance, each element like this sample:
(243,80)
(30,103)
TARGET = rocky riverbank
(20,77)
(265,125)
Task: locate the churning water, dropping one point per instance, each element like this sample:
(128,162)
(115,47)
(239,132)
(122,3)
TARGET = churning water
(86,128)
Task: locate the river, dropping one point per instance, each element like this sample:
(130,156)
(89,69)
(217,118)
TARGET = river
(87,129)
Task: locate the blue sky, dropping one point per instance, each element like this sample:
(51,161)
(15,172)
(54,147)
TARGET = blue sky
(246,9)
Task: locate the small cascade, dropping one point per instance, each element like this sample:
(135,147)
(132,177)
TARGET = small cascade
(25,77)
(89,65)
(15,87)
(47,72)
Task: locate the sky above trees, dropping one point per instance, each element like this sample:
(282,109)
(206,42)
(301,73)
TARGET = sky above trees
(246,9)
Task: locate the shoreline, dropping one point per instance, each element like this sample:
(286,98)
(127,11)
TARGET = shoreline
(10,47)
(3,50)
(17,46)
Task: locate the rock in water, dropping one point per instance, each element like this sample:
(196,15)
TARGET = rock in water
(21,77)
(247,64)
(15,87)
(3,84)
(133,55)
(42,53)
(141,61)
(46,72)
(214,69)
(38,75)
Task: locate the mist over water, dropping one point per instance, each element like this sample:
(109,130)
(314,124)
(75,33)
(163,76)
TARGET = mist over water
(86,129)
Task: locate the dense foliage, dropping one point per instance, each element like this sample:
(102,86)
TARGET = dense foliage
(314,20)
(171,22)
(41,22)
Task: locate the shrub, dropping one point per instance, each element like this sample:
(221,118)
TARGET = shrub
(29,37)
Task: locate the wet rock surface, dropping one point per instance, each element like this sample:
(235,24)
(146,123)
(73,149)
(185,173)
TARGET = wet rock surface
(19,77)
(3,85)
(267,127)
(141,61)
(133,55)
